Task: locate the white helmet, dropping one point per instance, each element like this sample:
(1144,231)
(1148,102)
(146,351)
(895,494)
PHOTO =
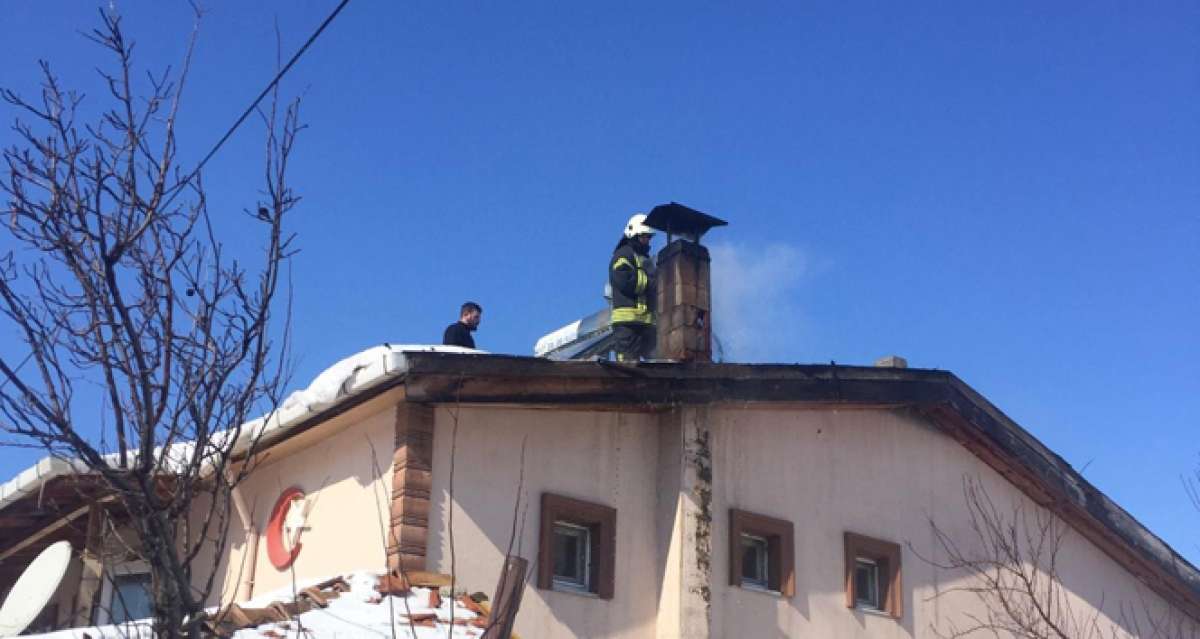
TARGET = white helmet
(637,226)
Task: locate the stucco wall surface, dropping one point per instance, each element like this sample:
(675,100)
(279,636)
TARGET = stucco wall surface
(348,499)
(879,473)
(604,457)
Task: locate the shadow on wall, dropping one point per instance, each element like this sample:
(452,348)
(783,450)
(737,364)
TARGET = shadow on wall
(606,458)
(338,468)
(813,477)
(870,472)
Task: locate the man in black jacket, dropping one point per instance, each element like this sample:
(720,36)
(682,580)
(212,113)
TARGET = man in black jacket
(631,277)
(459,333)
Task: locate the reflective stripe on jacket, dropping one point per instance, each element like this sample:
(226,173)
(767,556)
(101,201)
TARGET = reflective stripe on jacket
(632,287)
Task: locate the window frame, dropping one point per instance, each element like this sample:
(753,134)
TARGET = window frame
(601,521)
(781,551)
(886,555)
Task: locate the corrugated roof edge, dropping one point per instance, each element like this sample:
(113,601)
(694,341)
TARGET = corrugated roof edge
(337,384)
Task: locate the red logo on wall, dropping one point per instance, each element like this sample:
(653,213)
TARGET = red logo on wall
(284,528)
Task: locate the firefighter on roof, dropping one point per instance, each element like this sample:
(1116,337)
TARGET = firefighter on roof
(631,277)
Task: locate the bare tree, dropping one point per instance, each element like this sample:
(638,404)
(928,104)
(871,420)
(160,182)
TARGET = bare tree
(1191,487)
(1010,564)
(121,284)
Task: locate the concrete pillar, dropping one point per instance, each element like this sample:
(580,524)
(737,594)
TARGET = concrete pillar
(685,524)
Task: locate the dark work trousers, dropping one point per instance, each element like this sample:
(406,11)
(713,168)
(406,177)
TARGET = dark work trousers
(634,341)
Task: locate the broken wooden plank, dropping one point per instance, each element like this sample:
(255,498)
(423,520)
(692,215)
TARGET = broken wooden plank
(507,599)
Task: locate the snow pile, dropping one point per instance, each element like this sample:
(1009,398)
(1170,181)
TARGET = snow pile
(356,372)
(361,612)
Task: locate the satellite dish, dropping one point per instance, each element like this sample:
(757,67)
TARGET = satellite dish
(34,589)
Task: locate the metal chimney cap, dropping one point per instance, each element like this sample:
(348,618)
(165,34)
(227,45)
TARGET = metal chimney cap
(677,219)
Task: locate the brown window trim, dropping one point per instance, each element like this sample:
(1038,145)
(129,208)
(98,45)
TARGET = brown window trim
(887,555)
(781,549)
(600,520)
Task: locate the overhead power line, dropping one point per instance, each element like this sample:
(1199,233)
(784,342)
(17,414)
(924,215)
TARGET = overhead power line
(245,114)
(253,105)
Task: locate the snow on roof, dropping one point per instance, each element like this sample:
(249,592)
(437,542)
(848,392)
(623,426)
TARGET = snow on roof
(361,612)
(334,385)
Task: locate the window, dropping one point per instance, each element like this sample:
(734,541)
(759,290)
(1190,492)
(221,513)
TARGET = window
(131,598)
(126,594)
(866,583)
(755,553)
(577,546)
(761,553)
(572,557)
(873,575)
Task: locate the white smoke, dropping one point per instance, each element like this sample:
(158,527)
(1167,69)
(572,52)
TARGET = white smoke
(756,307)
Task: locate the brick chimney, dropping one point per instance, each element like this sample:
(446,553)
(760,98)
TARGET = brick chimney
(684,301)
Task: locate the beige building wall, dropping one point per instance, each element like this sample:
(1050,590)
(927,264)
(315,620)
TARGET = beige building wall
(349,488)
(604,457)
(879,473)
(875,472)
(348,491)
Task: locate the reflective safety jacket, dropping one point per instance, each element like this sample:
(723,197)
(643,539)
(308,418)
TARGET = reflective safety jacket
(632,286)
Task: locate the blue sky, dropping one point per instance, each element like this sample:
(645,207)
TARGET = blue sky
(1011,193)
